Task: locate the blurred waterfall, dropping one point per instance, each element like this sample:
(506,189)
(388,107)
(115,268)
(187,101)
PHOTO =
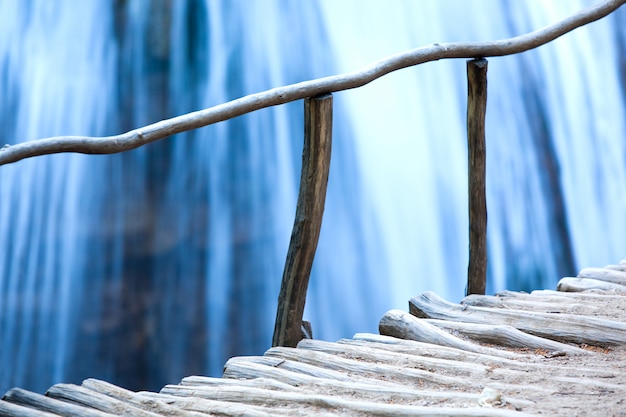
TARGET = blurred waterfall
(159,263)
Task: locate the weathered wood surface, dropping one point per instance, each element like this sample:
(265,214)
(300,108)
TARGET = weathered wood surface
(324,402)
(560,327)
(582,284)
(504,335)
(476,166)
(318,127)
(204,406)
(512,354)
(403,325)
(137,400)
(411,347)
(8,409)
(562,296)
(361,368)
(85,397)
(604,274)
(555,304)
(50,405)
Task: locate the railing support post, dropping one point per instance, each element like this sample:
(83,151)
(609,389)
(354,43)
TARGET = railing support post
(477,201)
(318,113)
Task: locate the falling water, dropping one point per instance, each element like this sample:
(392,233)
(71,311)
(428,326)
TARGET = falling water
(148,266)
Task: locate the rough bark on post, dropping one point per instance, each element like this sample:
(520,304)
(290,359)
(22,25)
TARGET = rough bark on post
(308,221)
(476,109)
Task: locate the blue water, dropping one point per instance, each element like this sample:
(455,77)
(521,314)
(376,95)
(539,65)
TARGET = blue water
(159,263)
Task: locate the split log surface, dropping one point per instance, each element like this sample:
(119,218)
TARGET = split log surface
(504,335)
(560,296)
(437,351)
(367,354)
(287,372)
(284,399)
(286,364)
(88,398)
(617,267)
(567,328)
(569,284)
(382,375)
(603,274)
(147,404)
(262,380)
(491,362)
(360,368)
(363,388)
(50,405)
(8,409)
(206,406)
(555,304)
(403,325)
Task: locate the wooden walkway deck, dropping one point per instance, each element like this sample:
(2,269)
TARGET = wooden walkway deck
(514,354)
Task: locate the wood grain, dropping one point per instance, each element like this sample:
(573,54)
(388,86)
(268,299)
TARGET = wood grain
(477,165)
(567,328)
(318,116)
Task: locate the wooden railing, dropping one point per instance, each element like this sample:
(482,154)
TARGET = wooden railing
(317,148)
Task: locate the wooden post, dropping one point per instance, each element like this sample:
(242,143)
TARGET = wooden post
(476,109)
(318,113)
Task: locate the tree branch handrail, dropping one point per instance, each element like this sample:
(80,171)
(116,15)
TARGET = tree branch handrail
(281,95)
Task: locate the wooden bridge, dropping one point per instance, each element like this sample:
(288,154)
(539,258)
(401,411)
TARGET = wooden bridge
(557,353)
(318,121)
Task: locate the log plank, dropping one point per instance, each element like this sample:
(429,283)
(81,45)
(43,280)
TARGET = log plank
(299,367)
(437,351)
(213,407)
(597,303)
(526,363)
(50,405)
(355,367)
(569,284)
(403,325)
(557,296)
(560,327)
(86,397)
(473,371)
(591,296)
(135,399)
(505,335)
(618,267)
(603,274)
(365,388)
(8,409)
(385,381)
(266,380)
(368,355)
(327,402)
(545,305)
(249,368)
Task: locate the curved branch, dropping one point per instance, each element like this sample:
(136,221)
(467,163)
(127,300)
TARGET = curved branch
(151,133)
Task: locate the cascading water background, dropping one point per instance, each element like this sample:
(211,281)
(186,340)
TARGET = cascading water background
(162,262)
